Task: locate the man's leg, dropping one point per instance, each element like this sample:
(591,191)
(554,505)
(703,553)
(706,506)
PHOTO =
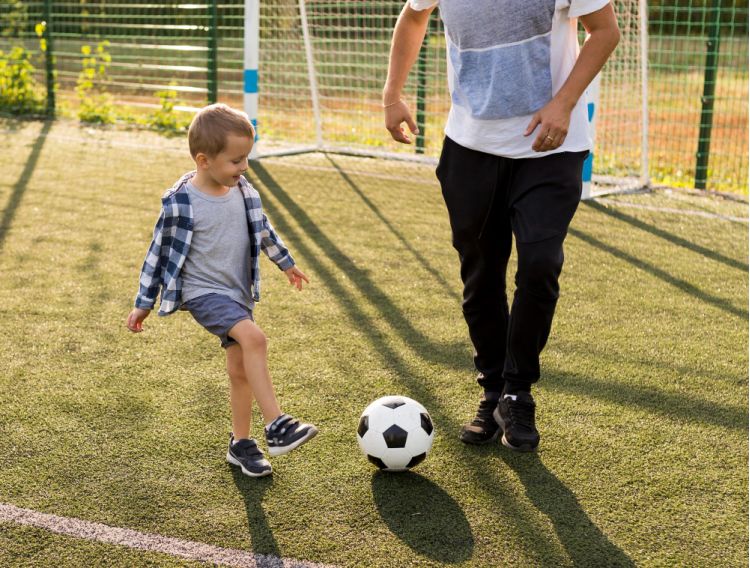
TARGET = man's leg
(476,202)
(534,302)
(482,236)
(545,193)
(485,306)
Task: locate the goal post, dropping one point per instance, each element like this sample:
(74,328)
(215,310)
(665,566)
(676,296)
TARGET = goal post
(250,68)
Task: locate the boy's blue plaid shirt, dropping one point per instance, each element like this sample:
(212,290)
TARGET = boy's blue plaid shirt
(171,244)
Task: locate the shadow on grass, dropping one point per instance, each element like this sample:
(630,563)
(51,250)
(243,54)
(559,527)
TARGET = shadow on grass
(12,123)
(666,235)
(19,188)
(585,544)
(678,283)
(90,267)
(452,356)
(252,491)
(626,353)
(677,406)
(423,516)
(404,241)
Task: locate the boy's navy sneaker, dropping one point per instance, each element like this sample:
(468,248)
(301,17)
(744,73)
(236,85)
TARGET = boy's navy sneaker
(246,454)
(515,415)
(286,433)
(483,429)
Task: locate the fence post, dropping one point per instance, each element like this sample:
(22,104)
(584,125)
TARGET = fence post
(643,35)
(251,59)
(709,89)
(422,92)
(312,76)
(213,35)
(48,58)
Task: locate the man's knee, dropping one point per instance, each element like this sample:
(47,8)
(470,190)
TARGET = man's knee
(539,267)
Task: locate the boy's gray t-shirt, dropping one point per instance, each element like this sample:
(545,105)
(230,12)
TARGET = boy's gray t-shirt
(218,261)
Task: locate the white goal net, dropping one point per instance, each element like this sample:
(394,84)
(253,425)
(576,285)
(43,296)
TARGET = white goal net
(323,63)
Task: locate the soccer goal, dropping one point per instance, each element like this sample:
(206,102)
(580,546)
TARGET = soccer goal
(314,71)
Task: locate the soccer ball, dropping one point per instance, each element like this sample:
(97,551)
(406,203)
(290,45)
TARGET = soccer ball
(395,433)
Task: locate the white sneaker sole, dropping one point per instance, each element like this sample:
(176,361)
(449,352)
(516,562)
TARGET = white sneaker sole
(234,461)
(281,450)
(524,448)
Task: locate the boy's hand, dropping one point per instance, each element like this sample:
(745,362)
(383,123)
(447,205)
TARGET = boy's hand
(296,276)
(135,319)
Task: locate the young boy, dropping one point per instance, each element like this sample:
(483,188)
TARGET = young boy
(204,257)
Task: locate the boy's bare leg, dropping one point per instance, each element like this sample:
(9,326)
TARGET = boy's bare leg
(253,345)
(240,393)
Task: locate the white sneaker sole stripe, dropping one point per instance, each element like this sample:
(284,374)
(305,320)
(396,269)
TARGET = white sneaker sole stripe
(280,451)
(234,461)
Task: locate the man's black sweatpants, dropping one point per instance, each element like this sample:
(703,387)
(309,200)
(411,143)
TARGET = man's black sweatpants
(490,199)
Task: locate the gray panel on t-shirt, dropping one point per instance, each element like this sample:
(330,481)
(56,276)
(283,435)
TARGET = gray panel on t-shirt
(218,261)
(479,24)
(504,82)
(499,52)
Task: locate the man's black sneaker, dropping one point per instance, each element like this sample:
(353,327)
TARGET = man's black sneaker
(246,454)
(483,429)
(286,433)
(515,415)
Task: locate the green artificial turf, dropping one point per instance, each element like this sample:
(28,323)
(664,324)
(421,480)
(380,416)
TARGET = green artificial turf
(642,407)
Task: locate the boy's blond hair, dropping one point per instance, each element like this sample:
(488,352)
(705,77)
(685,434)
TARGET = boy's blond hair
(211,125)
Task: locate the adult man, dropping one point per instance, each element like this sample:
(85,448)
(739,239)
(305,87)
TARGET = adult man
(516,139)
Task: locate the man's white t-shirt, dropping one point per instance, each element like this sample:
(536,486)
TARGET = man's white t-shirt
(506,60)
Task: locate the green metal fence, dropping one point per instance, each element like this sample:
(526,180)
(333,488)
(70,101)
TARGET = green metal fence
(698,93)
(697,64)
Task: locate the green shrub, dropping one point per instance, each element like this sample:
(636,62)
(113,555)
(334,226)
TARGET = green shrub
(19,91)
(166,118)
(95,104)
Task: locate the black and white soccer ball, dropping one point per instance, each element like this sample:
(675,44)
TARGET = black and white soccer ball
(395,433)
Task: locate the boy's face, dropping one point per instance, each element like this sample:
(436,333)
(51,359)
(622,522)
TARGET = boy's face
(228,165)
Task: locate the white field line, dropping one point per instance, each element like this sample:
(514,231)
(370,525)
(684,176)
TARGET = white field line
(689,212)
(98,532)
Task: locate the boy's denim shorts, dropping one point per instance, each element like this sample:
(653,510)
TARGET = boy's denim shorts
(218,314)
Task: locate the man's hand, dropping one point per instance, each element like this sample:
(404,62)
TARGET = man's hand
(296,276)
(135,319)
(552,122)
(395,115)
